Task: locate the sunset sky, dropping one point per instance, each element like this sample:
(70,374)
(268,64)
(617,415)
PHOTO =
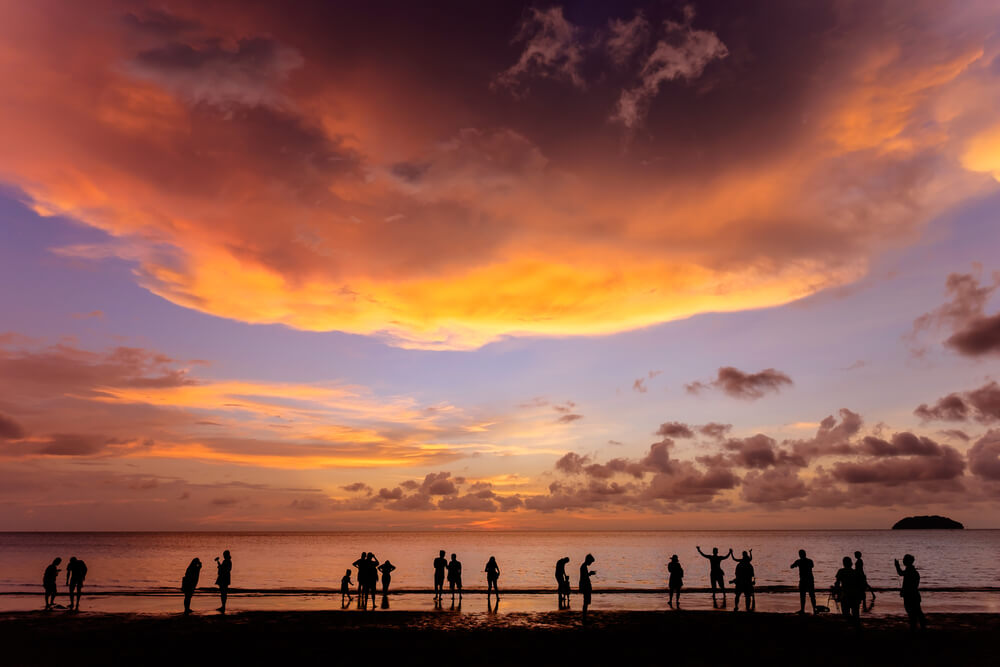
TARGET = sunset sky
(381,265)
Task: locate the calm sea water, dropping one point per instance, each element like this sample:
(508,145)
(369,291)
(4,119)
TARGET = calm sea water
(142,571)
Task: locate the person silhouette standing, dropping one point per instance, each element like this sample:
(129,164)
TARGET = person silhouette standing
(224,577)
(586,588)
(455,576)
(190,582)
(807,584)
(76,573)
(492,574)
(744,581)
(847,590)
(49,578)
(676,580)
(859,568)
(386,569)
(345,588)
(562,582)
(910,592)
(440,564)
(359,565)
(715,574)
(370,572)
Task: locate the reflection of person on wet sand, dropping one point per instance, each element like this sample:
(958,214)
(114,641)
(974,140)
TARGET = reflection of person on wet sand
(49,578)
(910,592)
(440,563)
(224,578)
(715,575)
(676,580)
(586,589)
(190,582)
(455,576)
(807,585)
(562,582)
(492,574)
(76,572)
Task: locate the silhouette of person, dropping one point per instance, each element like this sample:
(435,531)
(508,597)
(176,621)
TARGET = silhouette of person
(386,569)
(586,588)
(847,590)
(440,564)
(807,584)
(224,577)
(49,578)
(455,576)
(76,572)
(492,574)
(744,581)
(562,582)
(371,578)
(910,592)
(715,575)
(676,580)
(190,582)
(345,587)
(359,565)
(859,567)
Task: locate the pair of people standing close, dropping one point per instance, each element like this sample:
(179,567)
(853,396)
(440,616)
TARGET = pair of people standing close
(76,573)
(454,570)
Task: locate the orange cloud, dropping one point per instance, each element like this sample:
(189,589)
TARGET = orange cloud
(250,174)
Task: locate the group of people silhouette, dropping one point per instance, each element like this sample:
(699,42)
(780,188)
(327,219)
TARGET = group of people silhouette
(850,588)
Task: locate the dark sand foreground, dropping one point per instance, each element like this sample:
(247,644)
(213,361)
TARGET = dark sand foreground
(618,639)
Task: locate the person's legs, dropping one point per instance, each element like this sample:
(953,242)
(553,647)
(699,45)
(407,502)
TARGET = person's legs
(188,593)
(223,596)
(802,601)
(812,599)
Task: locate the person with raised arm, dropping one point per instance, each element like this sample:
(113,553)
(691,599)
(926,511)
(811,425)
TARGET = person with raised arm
(910,592)
(386,569)
(715,574)
(807,584)
(224,577)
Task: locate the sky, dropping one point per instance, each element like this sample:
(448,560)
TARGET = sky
(577,265)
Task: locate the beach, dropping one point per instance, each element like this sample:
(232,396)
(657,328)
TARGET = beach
(480,638)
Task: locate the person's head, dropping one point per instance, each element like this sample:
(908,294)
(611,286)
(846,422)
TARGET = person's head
(673,559)
(371,555)
(802,553)
(908,559)
(57,561)
(493,559)
(564,559)
(225,554)
(195,563)
(364,555)
(348,572)
(441,553)
(387,562)
(72,559)
(847,562)
(857,554)
(589,559)
(454,557)
(745,555)
(715,551)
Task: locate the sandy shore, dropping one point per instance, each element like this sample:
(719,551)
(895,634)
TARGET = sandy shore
(418,638)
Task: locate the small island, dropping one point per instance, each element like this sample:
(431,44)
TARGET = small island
(927,523)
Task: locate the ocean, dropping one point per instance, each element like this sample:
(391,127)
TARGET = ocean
(141,572)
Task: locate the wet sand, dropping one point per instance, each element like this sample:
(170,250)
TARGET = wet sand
(442,637)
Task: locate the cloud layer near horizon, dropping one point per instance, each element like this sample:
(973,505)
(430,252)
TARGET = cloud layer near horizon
(325,169)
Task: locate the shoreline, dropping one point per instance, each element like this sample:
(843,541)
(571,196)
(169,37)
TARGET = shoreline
(419,638)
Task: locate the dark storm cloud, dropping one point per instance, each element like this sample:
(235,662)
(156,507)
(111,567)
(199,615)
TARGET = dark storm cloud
(747,386)
(674,430)
(984,456)
(973,333)
(982,405)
